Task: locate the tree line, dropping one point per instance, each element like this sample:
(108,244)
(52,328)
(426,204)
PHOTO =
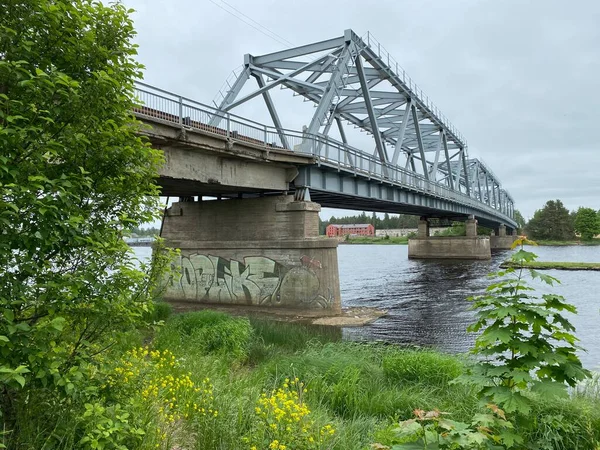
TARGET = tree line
(555,222)
(386,223)
(552,222)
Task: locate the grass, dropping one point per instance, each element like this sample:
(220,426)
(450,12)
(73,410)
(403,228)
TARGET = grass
(595,241)
(360,389)
(547,265)
(382,240)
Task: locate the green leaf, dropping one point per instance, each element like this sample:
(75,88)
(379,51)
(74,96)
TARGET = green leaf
(58,323)
(19,379)
(494,334)
(9,315)
(549,389)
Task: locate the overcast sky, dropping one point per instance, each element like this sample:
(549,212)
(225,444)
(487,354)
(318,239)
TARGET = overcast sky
(519,79)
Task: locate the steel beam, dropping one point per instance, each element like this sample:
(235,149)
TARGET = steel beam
(367,96)
(420,141)
(434,168)
(445,144)
(401,132)
(275,82)
(487,188)
(300,51)
(230,96)
(272,111)
(335,83)
(347,155)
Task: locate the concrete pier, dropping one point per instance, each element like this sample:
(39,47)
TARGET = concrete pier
(263,252)
(500,240)
(470,246)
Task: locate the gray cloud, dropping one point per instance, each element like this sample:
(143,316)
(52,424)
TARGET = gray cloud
(518,78)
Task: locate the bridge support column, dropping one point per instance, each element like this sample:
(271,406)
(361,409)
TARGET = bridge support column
(423,230)
(259,252)
(500,240)
(471,227)
(470,246)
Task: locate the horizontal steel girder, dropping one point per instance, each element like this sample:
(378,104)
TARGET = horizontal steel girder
(342,189)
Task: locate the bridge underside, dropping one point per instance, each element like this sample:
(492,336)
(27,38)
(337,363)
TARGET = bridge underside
(341,191)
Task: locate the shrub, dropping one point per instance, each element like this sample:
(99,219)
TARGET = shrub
(434,430)
(528,343)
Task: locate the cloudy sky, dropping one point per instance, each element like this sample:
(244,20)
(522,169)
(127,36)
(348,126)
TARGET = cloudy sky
(520,79)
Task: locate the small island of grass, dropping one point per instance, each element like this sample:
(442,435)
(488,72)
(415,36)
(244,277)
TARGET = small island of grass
(547,265)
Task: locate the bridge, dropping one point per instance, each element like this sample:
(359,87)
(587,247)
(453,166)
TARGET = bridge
(415,162)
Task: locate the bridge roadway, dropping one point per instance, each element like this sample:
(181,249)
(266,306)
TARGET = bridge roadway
(242,158)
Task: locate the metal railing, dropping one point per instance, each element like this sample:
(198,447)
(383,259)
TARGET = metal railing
(159,104)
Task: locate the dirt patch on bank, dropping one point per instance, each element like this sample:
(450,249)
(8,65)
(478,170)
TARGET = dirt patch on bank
(349,317)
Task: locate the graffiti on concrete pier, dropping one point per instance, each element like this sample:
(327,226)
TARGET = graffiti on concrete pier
(256,280)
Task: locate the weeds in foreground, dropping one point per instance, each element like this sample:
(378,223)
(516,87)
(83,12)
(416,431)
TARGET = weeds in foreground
(529,345)
(284,421)
(529,350)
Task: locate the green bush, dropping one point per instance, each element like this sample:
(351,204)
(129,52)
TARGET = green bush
(421,366)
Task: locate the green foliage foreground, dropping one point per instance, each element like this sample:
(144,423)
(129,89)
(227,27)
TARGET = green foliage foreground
(211,381)
(74,177)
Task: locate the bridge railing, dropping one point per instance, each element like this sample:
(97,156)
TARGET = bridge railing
(155,103)
(342,157)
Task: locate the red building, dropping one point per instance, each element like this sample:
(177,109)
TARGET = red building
(360,229)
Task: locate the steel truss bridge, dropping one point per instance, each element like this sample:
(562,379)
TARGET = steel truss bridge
(420,162)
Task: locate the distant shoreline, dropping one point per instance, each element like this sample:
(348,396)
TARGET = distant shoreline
(547,265)
(380,240)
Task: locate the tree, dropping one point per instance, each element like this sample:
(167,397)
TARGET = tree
(74,176)
(520,219)
(587,222)
(552,222)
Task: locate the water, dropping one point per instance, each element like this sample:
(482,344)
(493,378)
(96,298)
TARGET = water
(426,300)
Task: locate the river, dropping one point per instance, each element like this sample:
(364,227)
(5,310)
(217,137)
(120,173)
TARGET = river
(426,300)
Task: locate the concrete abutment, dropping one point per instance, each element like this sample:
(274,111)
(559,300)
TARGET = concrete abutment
(263,252)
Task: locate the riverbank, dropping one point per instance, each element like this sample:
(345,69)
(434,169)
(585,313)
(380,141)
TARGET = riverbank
(547,265)
(380,240)
(567,243)
(350,316)
(206,381)
(358,390)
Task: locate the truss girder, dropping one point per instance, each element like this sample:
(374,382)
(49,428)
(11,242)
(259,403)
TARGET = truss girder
(349,81)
